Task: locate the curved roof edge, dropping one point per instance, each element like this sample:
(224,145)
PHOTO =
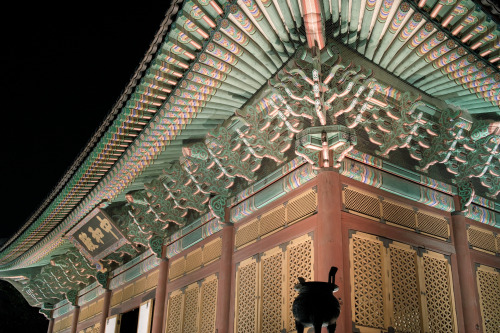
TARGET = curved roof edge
(156,42)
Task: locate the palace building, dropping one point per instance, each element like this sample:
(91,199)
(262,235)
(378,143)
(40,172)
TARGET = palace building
(260,141)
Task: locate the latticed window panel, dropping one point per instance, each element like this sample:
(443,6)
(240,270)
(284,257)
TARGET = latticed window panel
(128,292)
(67,322)
(395,286)
(140,286)
(212,250)
(63,323)
(367,279)
(196,259)
(498,242)
(272,221)
(265,286)
(152,280)
(57,325)
(433,225)
(246,296)
(193,308)
(439,293)
(482,239)
(302,206)
(272,290)
(92,307)
(84,314)
(247,233)
(399,214)
(299,256)
(488,283)
(91,310)
(99,306)
(208,305)
(360,202)
(405,289)
(177,269)
(297,209)
(175,312)
(116,297)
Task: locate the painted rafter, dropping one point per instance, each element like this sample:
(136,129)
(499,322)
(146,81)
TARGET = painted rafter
(466,151)
(243,40)
(184,189)
(265,135)
(66,274)
(201,179)
(464,23)
(390,118)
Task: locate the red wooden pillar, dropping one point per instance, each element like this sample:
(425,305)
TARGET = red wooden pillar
(105,310)
(51,325)
(225,271)
(470,302)
(328,236)
(161,293)
(76,314)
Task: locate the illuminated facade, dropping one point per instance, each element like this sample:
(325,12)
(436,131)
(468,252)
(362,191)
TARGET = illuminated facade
(260,141)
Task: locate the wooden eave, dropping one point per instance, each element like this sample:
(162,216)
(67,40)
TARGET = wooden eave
(213,45)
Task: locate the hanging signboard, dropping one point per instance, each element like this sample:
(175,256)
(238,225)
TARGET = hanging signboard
(96,236)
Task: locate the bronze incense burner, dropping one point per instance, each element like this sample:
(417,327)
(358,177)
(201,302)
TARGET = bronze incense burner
(315,306)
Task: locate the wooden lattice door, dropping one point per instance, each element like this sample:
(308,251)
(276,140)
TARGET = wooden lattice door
(264,286)
(488,284)
(396,286)
(192,308)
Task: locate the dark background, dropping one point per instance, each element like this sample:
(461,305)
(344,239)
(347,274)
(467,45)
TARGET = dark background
(63,68)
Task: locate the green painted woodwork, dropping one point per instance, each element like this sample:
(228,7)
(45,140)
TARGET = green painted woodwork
(72,297)
(118,256)
(214,108)
(466,194)
(124,221)
(150,93)
(47,306)
(47,313)
(156,245)
(103,279)
(217,206)
(62,278)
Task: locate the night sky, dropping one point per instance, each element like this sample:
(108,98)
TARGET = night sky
(63,69)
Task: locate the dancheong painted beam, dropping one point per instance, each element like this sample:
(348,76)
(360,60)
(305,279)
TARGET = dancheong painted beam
(232,114)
